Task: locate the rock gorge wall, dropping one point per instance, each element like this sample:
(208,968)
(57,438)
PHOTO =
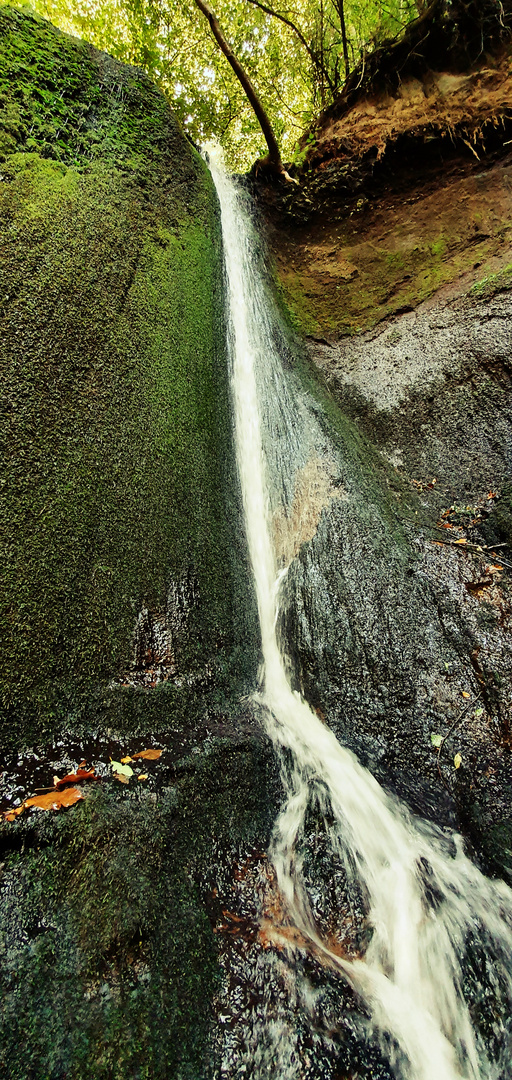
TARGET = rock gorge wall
(393,257)
(127,611)
(119,500)
(138,930)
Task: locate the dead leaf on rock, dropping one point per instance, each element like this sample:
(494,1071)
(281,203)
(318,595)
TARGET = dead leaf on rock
(54,800)
(457,761)
(149,755)
(142,776)
(122,778)
(126,760)
(461,541)
(478,586)
(121,770)
(465,694)
(75,778)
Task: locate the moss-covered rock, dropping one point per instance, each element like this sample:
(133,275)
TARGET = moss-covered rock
(123,548)
(117,432)
(108,960)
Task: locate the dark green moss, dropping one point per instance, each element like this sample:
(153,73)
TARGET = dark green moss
(108,958)
(65,100)
(117,426)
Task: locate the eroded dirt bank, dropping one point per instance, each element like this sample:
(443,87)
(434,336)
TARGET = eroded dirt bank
(399,195)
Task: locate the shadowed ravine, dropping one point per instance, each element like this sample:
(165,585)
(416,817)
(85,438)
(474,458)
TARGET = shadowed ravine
(426,903)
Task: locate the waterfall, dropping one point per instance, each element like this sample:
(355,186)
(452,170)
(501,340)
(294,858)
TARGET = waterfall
(425,899)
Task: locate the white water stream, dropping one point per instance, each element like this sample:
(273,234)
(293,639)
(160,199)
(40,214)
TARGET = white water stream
(410,978)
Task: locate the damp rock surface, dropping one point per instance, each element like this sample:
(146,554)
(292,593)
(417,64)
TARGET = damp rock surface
(142,933)
(119,479)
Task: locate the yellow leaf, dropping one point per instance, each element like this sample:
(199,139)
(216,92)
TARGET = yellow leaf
(457,761)
(149,755)
(143,776)
(461,541)
(126,760)
(465,694)
(121,770)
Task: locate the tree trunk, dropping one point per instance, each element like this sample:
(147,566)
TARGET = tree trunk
(339,4)
(274,156)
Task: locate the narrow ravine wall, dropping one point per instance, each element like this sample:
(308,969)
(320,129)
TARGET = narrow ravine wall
(395,266)
(119,493)
(127,612)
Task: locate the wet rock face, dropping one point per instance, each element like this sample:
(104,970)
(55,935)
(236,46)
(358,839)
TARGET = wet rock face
(432,389)
(108,960)
(127,611)
(119,476)
(395,266)
(397,614)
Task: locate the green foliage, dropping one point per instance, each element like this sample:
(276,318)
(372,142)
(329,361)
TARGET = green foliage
(173,44)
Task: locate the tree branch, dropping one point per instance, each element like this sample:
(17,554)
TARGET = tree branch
(274,156)
(288,22)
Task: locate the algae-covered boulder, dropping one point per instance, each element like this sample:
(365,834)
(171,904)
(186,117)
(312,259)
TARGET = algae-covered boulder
(117,500)
(125,590)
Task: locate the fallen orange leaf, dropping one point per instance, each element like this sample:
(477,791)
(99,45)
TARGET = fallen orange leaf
(491,495)
(465,694)
(142,776)
(494,568)
(149,755)
(75,778)
(126,760)
(461,541)
(52,801)
(122,779)
(12,814)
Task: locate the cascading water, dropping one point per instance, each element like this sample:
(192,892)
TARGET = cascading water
(425,900)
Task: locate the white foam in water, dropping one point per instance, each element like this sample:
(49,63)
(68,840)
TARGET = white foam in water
(410,978)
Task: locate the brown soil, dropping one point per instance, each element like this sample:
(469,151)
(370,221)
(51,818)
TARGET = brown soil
(473,108)
(402,195)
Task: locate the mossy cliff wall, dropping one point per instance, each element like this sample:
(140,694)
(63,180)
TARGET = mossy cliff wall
(119,509)
(114,388)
